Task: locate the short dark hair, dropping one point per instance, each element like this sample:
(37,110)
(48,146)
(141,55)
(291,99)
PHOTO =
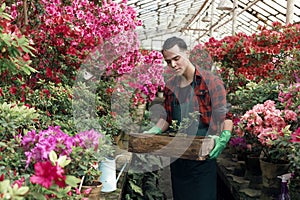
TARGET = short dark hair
(171,42)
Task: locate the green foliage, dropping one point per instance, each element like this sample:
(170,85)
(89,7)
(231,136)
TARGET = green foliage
(85,163)
(185,123)
(15,119)
(141,186)
(288,72)
(294,157)
(12,158)
(277,151)
(12,192)
(13,46)
(244,98)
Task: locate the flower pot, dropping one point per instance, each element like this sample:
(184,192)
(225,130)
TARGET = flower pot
(253,171)
(271,184)
(252,165)
(92,192)
(160,94)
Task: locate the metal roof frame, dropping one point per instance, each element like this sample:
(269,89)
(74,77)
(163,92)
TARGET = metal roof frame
(164,18)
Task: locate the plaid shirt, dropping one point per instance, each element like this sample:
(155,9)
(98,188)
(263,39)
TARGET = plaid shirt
(209,98)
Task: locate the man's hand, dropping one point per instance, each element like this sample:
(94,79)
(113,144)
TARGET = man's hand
(220,143)
(154,130)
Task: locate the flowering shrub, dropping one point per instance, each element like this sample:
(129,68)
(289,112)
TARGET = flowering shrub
(238,144)
(48,180)
(264,123)
(42,162)
(258,56)
(38,145)
(149,77)
(85,149)
(244,98)
(67,32)
(64,33)
(290,97)
(15,55)
(15,49)
(200,56)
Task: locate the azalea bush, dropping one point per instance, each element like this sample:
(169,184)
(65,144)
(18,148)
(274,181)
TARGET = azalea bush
(258,56)
(149,73)
(47,180)
(199,56)
(67,31)
(63,35)
(264,124)
(245,97)
(237,144)
(86,149)
(290,97)
(16,51)
(52,163)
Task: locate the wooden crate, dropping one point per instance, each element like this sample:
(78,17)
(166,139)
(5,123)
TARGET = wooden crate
(187,147)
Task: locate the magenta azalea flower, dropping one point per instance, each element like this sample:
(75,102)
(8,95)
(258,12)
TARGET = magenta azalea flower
(46,174)
(37,146)
(88,139)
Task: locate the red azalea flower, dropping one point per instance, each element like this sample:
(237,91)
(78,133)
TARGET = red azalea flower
(43,174)
(13,90)
(26,57)
(48,72)
(2,177)
(59,178)
(46,173)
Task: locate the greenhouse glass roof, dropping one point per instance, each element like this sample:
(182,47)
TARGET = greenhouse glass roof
(164,18)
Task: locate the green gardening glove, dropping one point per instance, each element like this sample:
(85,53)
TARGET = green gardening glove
(220,143)
(154,130)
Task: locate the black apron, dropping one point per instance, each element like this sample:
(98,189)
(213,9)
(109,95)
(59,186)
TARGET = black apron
(191,179)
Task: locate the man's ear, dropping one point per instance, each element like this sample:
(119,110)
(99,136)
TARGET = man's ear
(188,53)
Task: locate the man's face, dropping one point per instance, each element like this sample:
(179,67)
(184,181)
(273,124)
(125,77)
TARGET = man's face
(176,59)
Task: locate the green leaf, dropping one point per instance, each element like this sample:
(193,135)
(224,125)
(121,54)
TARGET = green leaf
(136,188)
(72,181)
(39,196)
(61,160)
(4,185)
(53,156)
(22,190)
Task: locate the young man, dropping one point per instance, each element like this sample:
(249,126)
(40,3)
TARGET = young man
(193,89)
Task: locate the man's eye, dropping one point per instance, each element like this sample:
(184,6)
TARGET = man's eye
(177,58)
(168,62)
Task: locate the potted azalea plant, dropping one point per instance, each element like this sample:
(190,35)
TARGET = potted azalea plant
(84,149)
(264,123)
(271,127)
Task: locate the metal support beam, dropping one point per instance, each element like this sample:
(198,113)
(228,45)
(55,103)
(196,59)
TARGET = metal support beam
(234,16)
(192,19)
(217,23)
(290,11)
(212,18)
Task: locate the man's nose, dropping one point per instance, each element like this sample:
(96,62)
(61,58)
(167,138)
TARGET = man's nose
(173,63)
